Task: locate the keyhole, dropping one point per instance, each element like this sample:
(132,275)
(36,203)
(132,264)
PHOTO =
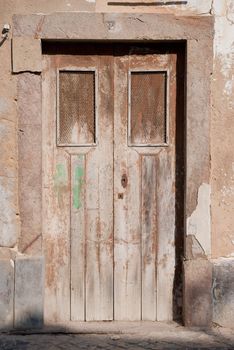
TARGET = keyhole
(124,181)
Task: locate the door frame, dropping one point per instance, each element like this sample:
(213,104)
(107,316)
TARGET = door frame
(197,32)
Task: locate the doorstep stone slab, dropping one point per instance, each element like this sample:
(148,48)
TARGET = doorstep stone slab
(6,293)
(29,290)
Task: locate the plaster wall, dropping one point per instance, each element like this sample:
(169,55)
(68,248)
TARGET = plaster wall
(222,121)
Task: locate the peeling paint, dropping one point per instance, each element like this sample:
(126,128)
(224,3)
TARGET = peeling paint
(60,175)
(200,6)
(224,49)
(60,181)
(218,8)
(198,224)
(228,88)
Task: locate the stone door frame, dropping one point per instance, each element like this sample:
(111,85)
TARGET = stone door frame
(28,33)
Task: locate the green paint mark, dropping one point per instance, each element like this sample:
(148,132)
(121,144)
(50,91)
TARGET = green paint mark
(77,188)
(60,175)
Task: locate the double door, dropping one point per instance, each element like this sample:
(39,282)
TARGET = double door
(109,183)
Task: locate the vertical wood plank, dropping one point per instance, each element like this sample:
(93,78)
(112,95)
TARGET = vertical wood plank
(149,237)
(166,210)
(99,198)
(55,208)
(92,239)
(166,231)
(127,252)
(78,237)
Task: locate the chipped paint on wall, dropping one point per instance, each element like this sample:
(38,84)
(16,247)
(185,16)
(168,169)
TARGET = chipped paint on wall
(224,39)
(224,49)
(218,7)
(229,89)
(222,202)
(198,224)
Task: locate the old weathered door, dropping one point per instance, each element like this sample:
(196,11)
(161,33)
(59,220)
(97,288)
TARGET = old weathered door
(144,184)
(109,183)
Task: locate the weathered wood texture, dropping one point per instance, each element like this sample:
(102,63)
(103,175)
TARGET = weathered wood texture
(127,246)
(149,236)
(109,209)
(55,208)
(78,196)
(145,213)
(166,206)
(99,204)
(78,237)
(148,107)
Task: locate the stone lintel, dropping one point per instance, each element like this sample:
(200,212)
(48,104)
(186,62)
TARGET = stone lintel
(113,26)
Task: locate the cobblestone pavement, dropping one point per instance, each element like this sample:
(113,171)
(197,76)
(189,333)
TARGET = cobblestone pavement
(137,337)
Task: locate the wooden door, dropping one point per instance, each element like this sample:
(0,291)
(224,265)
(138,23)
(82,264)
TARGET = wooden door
(144,184)
(109,183)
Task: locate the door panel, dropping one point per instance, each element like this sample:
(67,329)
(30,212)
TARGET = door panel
(109,184)
(78,199)
(144,221)
(55,210)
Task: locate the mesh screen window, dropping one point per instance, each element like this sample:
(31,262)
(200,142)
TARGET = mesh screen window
(76,108)
(148,108)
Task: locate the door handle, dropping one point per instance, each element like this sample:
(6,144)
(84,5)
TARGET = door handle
(124,181)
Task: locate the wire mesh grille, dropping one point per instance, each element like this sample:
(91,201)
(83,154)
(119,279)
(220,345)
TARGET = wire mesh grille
(76,107)
(148,107)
